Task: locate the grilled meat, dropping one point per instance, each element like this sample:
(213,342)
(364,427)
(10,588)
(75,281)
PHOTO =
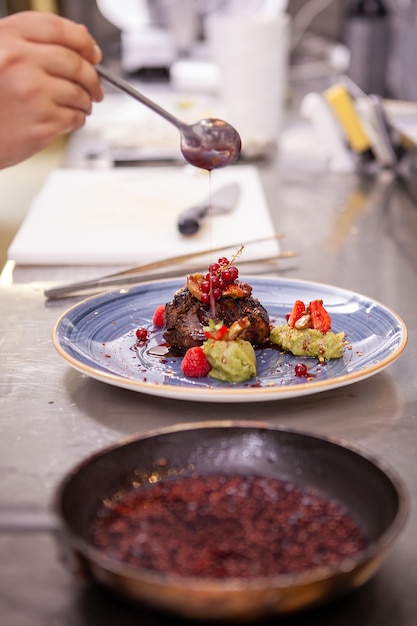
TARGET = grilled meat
(186,316)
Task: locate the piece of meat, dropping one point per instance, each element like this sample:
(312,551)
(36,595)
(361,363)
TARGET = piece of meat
(186,316)
(183,328)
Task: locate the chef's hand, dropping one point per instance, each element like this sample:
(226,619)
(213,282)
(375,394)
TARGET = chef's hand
(47,81)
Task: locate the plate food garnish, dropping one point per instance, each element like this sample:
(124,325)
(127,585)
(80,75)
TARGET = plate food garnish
(97,337)
(216,323)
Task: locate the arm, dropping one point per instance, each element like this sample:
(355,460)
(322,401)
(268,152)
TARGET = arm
(47,81)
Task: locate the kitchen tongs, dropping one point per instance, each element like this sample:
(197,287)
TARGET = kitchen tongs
(149,271)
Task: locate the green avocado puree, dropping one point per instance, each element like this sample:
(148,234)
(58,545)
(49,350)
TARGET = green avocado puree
(231,361)
(308,342)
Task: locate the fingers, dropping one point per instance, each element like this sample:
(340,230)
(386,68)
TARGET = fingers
(70,96)
(47,81)
(63,63)
(59,46)
(41,98)
(47,28)
(73,121)
(25,131)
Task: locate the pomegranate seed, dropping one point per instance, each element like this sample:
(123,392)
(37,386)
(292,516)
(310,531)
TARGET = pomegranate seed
(300,370)
(142,334)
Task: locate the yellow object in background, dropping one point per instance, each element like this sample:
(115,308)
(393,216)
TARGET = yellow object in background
(50,6)
(342,105)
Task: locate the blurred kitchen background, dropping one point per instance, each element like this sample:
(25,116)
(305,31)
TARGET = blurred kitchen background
(327,18)
(374,42)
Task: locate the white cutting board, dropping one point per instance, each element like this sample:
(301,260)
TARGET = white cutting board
(128,216)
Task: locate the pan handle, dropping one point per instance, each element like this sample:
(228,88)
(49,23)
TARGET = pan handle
(27,519)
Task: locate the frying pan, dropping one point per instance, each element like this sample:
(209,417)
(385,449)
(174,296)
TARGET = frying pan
(374,495)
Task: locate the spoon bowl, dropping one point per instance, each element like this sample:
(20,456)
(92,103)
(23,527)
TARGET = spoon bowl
(209,143)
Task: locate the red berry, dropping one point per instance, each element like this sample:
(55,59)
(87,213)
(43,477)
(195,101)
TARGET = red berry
(142,334)
(320,319)
(205,286)
(227,276)
(300,370)
(205,298)
(217,293)
(234,272)
(298,310)
(195,364)
(214,268)
(158,316)
(223,261)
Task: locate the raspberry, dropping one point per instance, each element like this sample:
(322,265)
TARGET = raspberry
(158,316)
(195,364)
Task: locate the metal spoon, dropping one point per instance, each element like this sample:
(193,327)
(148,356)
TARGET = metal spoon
(210,143)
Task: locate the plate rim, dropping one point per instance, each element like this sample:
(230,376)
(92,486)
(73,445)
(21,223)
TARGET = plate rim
(243,392)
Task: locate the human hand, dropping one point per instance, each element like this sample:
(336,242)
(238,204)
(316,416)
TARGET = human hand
(47,81)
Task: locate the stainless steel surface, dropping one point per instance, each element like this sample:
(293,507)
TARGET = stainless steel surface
(209,143)
(357,233)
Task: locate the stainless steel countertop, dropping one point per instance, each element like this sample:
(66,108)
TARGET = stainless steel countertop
(355,232)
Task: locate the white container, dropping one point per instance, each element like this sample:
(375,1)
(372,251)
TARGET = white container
(251,52)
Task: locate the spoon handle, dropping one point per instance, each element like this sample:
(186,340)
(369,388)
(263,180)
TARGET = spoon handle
(123,85)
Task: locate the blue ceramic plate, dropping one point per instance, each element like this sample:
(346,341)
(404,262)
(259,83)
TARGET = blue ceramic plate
(97,338)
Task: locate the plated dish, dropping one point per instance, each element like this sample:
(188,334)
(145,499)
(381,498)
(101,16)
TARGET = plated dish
(97,337)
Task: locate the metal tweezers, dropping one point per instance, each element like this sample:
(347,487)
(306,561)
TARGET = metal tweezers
(148,271)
